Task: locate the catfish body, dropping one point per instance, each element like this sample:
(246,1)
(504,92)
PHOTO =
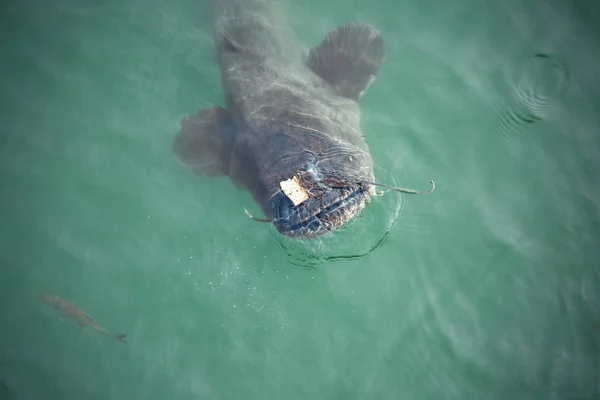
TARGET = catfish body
(289,113)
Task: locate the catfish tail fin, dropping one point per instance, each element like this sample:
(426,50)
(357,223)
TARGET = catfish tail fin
(120,337)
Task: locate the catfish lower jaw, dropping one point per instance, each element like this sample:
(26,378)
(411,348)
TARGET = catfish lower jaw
(317,215)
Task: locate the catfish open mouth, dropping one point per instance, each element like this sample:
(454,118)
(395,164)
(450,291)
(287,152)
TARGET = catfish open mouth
(318,215)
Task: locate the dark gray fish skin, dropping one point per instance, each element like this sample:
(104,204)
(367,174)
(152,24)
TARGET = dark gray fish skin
(71,310)
(289,113)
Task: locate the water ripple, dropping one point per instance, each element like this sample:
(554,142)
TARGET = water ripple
(541,81)
(366,233)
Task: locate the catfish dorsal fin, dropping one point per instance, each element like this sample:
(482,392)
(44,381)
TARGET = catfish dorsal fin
(348,58)
(204,141)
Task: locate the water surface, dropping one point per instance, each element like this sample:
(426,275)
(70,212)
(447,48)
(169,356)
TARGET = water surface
(488,288)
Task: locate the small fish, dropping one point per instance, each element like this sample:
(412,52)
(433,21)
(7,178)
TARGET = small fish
(83,319)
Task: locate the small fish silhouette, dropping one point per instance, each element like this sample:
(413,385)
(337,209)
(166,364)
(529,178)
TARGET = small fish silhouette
(83,319)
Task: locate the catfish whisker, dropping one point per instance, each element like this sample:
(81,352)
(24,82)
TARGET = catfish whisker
(254,218)
(399,189)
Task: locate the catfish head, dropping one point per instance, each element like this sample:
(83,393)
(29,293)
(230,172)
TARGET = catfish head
(307,183)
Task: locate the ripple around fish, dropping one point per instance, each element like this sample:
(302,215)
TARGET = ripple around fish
(410,223)
(539,84)
(510,123)
(364,234)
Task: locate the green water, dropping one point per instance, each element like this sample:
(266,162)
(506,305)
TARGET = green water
(488,288)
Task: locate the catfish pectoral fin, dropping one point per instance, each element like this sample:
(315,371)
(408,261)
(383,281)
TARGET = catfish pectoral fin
(348,58)
(204,141)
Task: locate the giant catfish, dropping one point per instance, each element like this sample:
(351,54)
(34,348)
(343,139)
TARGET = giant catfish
(290,133)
